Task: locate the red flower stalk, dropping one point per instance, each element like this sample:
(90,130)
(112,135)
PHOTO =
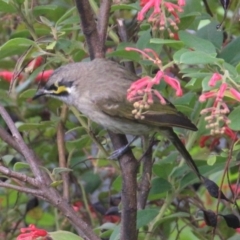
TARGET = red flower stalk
(32,233)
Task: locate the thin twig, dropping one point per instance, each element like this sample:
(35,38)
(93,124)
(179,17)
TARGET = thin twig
(35,192)
(27,153)
(62,152)
(20,176)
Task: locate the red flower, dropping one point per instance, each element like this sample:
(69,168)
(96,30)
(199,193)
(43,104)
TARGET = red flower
(34,64)
(8,76)
(112,218)
(77,206)
(159,17)
(44,76)
(32,233)
(143,2)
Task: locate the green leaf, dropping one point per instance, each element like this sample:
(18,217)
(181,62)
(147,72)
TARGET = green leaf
(47,22)
(6,7)
(211,160)
(197,57)
(66,16)
(92,181)
(20,166)
(197,43)
(117,184)
(59,170)
(15,46)
(7,159)
(173,216)
(234,117)
(145,216)
(159,186)
(119,6)
(116,233)
(35,126)
(52,12)
(84,140)
(64,235)
(162,170)
(210,33)
(172,43)
(125,55)
(144,41)
(28,94)
(177,55)
(41,218)
(231,53)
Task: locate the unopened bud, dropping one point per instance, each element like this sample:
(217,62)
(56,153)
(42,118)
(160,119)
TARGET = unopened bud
(136,105)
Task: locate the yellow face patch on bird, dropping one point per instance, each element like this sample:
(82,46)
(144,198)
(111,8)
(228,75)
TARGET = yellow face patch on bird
(59,89)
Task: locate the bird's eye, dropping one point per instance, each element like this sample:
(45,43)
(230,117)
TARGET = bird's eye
(53,87)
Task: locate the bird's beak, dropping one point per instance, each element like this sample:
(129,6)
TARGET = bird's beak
(39,93)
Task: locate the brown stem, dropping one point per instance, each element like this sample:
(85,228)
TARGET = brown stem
(27,153)
(35,192)
(82,227)
(6,137)
(102,25)
(89,29)
(127,162)
(20,176)
(144,185)
(42,180)
(62,152)
(129,167)
(124,38)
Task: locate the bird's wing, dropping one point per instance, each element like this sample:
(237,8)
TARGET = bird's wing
(157,115)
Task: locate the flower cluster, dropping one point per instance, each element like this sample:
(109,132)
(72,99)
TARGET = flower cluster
(217,114)
(141,92)
(214,141)
(32,233)
(158,18)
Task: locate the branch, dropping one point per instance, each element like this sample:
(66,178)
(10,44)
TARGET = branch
(82,227)
(127,162)
(26,152)
(144,185)
(35,192)
(20,176)
(6,137)
(102,24)
(89,28)
(129,167)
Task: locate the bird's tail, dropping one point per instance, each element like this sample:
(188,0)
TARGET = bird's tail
(172,136)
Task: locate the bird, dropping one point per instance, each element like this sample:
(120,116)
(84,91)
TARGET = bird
(98,90)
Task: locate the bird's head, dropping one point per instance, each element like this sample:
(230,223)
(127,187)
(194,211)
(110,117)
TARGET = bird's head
(58,86)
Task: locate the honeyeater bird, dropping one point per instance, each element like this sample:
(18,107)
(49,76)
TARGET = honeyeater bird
(98,89)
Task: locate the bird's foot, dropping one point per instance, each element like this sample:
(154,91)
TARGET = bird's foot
(119,152)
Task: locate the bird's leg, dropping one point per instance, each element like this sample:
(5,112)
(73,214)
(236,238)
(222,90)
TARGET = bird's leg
(119,152)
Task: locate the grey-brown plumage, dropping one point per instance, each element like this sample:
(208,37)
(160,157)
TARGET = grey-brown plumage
(98,89)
